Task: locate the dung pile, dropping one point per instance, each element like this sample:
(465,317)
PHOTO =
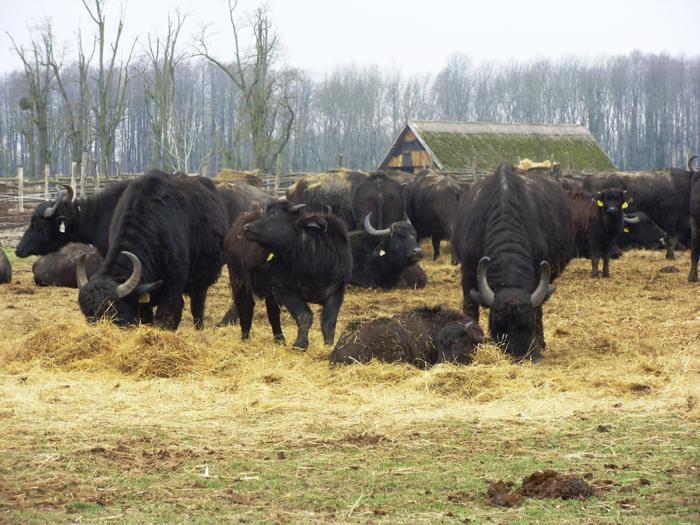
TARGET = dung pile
(548,484)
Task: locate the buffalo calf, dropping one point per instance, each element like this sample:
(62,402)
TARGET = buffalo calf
(422,336)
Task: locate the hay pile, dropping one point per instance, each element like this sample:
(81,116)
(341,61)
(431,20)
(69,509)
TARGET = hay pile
(633,339)
(249,177)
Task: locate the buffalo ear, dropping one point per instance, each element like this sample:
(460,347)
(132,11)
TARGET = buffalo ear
(147,287)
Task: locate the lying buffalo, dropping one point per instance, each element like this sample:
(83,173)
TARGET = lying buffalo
(5,268)
(289,257)
(58,268)
(422,336)
(642,233)
(380,257)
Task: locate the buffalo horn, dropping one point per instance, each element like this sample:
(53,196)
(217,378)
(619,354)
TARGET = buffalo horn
(371,230)
(48,212)
(297,207)
(404,200)
(69,191)
(631,220)
(691,163)
(132,282)
(487,295)
(80,273)
(540,293)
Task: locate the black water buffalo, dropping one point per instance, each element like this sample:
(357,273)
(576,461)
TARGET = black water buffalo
(433,199)
(513,235)
(165,239)
(661,194)
(694,219)
(55,224)
(422,336)
(5,268)
(641,232)
(289,257)
(379,257)
(240,197)
(58,268)
(318,190)
(599,220)
(384,196)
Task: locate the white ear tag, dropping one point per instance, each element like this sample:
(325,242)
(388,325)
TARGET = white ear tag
(382,253)
(62,227)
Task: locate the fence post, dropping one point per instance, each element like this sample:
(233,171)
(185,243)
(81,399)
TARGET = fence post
(117,166)
(20,188)
(204,170)
(47,173)
(83,173)
(97,176)
(73,172)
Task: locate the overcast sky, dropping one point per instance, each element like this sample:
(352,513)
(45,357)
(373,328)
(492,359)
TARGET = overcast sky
(409,35)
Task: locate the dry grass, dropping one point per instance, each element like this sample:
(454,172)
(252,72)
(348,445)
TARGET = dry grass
(631,342)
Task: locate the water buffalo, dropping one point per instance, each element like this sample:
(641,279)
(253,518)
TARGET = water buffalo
(384,196)
(318,190)
(513,235)
(165,239)
(598,222)
(5,268)
(240,197)
(661,194)
(289,257)
(379,257)
(422,336)
(641,232)
(694,219)
(432,204)
(58,268)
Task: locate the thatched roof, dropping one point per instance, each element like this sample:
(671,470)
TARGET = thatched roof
(475,147)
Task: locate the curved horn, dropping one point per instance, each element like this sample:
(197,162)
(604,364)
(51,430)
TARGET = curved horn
(371,230)
(540,293)
(49,212)
(297,207)
(487,294)
(69,191)
(691,163)
(132,282)
(329,209)
(404,200)
(80,273)
(631,220)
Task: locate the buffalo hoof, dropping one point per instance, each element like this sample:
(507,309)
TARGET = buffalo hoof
(693,277)
(301,345)
(279,339)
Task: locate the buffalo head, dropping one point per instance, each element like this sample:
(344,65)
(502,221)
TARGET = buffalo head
(612,201)
(398,244)
(103,297)
(455,342)
(49,227)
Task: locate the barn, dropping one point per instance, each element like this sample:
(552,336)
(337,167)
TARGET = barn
(477,148)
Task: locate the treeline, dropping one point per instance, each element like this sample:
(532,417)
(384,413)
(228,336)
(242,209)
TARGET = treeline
(175,106)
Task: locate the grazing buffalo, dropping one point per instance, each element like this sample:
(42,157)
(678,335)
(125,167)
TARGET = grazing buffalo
(165,239)
(641,232)
(58,268)
(422,337)
(598,222)
(432,204)
(318,190)
(661,194)
(384,196)
(5,268)
(290,257)
(55,224)
(513,236)
(379,257)
(694,219)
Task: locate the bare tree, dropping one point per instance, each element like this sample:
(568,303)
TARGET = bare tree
(267,107)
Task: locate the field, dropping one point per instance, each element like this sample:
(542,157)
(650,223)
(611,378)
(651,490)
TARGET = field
(103,425)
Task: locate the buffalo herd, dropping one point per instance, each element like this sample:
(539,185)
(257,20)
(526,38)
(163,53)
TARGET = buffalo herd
(136,248)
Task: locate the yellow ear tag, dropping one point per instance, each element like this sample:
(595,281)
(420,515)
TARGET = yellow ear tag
(626,229)
(625,205)
(599,203)
(145,298)
(62,227)
(270,257)
(382,253)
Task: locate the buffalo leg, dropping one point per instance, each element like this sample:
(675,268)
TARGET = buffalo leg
(694,249)
(670,244)
(436,247)
(169,310)
(329,316)
(606,265)
(245,305)
(302,316)
(539,345)
(197,301)
(230,317)
(146,313)
(273,315)
(594,266)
